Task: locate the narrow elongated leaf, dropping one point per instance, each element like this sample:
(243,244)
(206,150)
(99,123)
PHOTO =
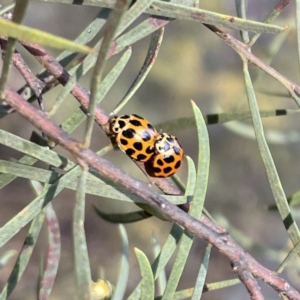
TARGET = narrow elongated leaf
(4,258)
(274,180)
(181,12)
(24,255)
(81,257)
(272,136)
(7,8)
(147,283)
(162,278)
(21,219)
(27,171)
(152,53)
(174,10)
(5,179)
(289,258)
(53,255)
(187,293)
(197,203)
(175,234)
(202,274)
(123,218)
(163,258)
(124,267)
(31,35)
(113,75)
(18,15)
(211,119)
(139,32)
(31,149)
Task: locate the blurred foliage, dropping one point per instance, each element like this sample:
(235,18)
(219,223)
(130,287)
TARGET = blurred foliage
(238,165)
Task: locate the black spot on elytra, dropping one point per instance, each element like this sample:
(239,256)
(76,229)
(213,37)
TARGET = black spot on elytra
(129,133)
(137,116)
(167,170)
(146,136)
(141,157)
(125,117)
(123,142)
(150,127)
(170,140)
(138,146)
(135,122)
(160,162)
(149,150)
(176,150)
(156,170)
(178,164)
(130,152)
(169,159)
(121,123)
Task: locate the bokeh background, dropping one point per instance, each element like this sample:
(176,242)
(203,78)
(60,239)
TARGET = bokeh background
(193,63)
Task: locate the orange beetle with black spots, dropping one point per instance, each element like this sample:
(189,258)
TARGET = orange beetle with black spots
(134,135)
(168,155)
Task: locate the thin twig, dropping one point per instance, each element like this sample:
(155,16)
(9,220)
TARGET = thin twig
(242,269)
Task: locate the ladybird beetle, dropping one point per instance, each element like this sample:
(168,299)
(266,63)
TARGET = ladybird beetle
(168,155)
(134,135)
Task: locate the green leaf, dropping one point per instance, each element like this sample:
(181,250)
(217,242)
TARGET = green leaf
(53,253)
(203,164)
(163,258)
(113,75)
(31,35)
(187,293)
(147,283)
(6,257)
(81,257)
(162,278)
(5,179)
(155,43)
(274,180)
(31,149)
(7,8)
(177,11)
(123,218)
(124,267)
(197,203)
(10,229)
(211,119)
(24,255)
(202,274)
(289,258)
(18,15)
(272,136)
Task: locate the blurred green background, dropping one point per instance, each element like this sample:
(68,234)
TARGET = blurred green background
(193,63)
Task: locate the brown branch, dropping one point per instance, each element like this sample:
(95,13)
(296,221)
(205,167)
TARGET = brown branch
(281,5)
(242,269)
(35,84)
(204,228)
